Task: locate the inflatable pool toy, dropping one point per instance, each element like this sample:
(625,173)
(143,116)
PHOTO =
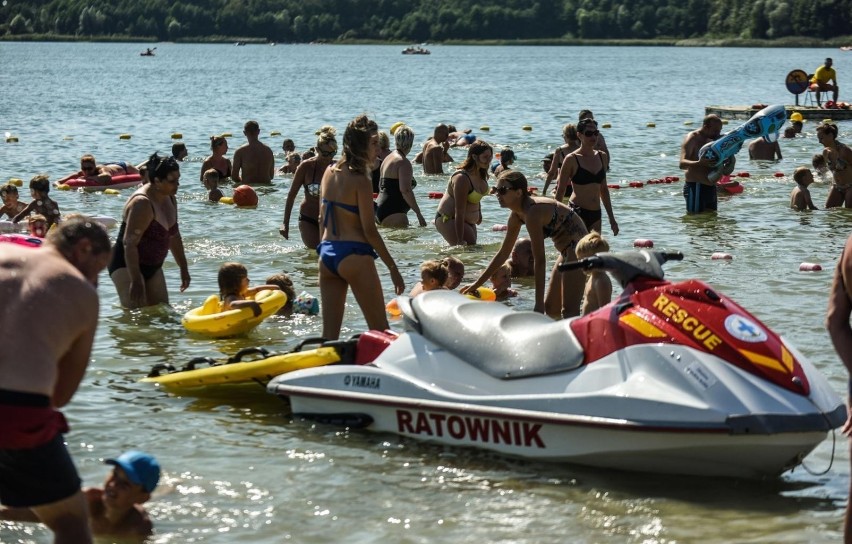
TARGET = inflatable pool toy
(765,123)
(226,200)
(778,174)
(810,267)
(111,192)
(21,239)
(245,196)
(719,256)
(482,293)
(732,187)
(89,185)
(210,321)
(643,242)
(436,194)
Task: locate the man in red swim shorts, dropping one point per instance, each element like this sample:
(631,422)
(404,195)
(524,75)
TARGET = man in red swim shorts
(50,314)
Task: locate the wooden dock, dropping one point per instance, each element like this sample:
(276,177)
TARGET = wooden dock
(808,112)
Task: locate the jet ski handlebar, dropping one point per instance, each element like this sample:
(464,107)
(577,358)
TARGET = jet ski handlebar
(626,265)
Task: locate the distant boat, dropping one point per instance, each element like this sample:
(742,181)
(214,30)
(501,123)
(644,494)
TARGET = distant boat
(416,50)
(240,43)
(846,48)
(147,53)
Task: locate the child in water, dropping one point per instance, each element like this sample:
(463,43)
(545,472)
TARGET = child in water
(305,303)
(507,159)
(11,206)
(455,272)
(433,275)
(501,283)
(39,188)
(37,225)
(800,197)
(211,183)
(234,290)
(598,291)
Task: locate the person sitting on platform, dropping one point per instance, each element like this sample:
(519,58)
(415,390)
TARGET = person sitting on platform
(825,79)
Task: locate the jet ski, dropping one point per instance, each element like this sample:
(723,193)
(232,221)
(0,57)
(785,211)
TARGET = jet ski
(669,378)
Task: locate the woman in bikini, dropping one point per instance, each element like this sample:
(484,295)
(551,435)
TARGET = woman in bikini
(217,159)
(149,229)
(544,218)
(350,240)
(459,211)
(585,171)
(308,175)
(572,143)
(396,185)
(838,158)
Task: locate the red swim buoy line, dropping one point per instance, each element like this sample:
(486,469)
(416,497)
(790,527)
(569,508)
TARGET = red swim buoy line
(636,184)
(810,267)
(643,242)
(743,175)
(435,194)
(613,186)
(779,174)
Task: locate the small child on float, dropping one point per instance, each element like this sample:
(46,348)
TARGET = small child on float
(234,290)
(211,183)
(304,303)
(41,203)
(598,290)
(11,205)
(455,272)
(800,197)
(501,283)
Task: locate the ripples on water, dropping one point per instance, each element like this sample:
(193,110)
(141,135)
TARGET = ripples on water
(236,466)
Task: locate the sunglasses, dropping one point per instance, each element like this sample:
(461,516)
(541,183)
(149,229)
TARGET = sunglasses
(327,153)
(87,167)
(590,133)
(503,189)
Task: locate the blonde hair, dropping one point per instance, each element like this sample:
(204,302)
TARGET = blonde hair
(436,270)
(799,174)
(591,244)
(326,135)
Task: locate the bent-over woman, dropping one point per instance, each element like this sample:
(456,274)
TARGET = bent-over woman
(459,211)
(149,229)
(396,184)
(350,239)
(544,218)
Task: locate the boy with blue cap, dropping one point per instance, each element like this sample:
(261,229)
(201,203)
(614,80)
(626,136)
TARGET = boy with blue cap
(116,509)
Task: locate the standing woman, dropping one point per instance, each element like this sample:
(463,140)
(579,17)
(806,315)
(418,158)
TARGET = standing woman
(585,171)
(149,229)
(572,143)
(217,159)
(838,158)
(396,186)
(309,175)
(544,218)
(459,211)
(349,235)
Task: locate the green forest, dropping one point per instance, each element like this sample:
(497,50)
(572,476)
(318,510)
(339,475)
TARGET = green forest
(426,20)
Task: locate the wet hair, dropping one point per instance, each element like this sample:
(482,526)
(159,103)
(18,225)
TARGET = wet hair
(454,266)
(177,148)
(213,173)
(70,231)
(308,153)
(476,148)
(252,127)
(436,270)
(790,132)
(160,167)
(404,138)
(327,135)
(584,114)
(40,183)
(710,119)
(506,156)
(585,122)
(8,188)
(230,278)
(288,145)
(569,133)
(515,179)
(384,141)
(356,141)
(88,157)
(440,127)
(828,127)
(294,156)
(591,244)
(800,172)
(451,128)
(284,283)
(216,141)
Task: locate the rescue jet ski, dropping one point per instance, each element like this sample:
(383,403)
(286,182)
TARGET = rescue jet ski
(669,378)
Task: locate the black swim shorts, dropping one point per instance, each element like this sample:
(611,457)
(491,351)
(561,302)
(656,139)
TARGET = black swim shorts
(37,476)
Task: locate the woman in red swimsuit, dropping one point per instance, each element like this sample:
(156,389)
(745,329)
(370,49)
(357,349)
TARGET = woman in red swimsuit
(149,229)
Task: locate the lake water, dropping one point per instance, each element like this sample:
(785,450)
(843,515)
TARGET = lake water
(237,468)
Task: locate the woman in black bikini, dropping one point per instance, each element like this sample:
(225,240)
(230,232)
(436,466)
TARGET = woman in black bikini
(572,143)
(396,194)
(585,171)
(217,159)
(838,158)
(544,218)
(308,175)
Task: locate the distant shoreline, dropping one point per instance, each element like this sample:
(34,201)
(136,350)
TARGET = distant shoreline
(795,42)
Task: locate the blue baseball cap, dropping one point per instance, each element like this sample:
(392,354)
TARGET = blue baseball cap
(140,468)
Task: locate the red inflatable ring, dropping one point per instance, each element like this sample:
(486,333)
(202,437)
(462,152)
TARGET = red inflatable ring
(720,256)
(810,267)
(643,242)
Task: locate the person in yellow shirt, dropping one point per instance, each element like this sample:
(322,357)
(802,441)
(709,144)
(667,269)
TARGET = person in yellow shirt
(823,75)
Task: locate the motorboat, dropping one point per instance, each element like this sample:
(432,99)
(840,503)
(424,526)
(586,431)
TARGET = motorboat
(416,50)
(669,378)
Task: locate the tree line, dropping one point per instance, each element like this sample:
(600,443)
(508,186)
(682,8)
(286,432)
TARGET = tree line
(427,20)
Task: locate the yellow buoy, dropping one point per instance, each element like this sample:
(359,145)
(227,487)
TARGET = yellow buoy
(687,123)
(68,138)
(11,139)
(111,192)
(226,200)
(226,135)
(395,126)
(275,133)
(526,127)
(176,135)
(606,125)
(17,182)
(651,125)
(63,187)
(724,121)
(124,136)
(824,121)
(484,128)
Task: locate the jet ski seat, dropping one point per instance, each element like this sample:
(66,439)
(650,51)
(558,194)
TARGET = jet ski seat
(502,342)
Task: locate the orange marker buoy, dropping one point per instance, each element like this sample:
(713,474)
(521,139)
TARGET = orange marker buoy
(393,308)
(643,242)
(436,194)
(810,267)
(779,174)
(720,256)
(498,228)
(636,184)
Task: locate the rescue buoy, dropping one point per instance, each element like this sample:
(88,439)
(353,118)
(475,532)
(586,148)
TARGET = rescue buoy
(810,267)
(643,242)
(245,196)
(720,256)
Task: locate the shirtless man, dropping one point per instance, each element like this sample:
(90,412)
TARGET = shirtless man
(51,310)
(102,173)
(699,191)
(253,162)
(761,150)
(434,150)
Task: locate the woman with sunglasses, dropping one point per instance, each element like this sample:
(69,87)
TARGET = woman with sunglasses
(217,159)
(544,218)
(459,211)
(149,229)
(585,171)
(308,175)
(102,173)
(350,240)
